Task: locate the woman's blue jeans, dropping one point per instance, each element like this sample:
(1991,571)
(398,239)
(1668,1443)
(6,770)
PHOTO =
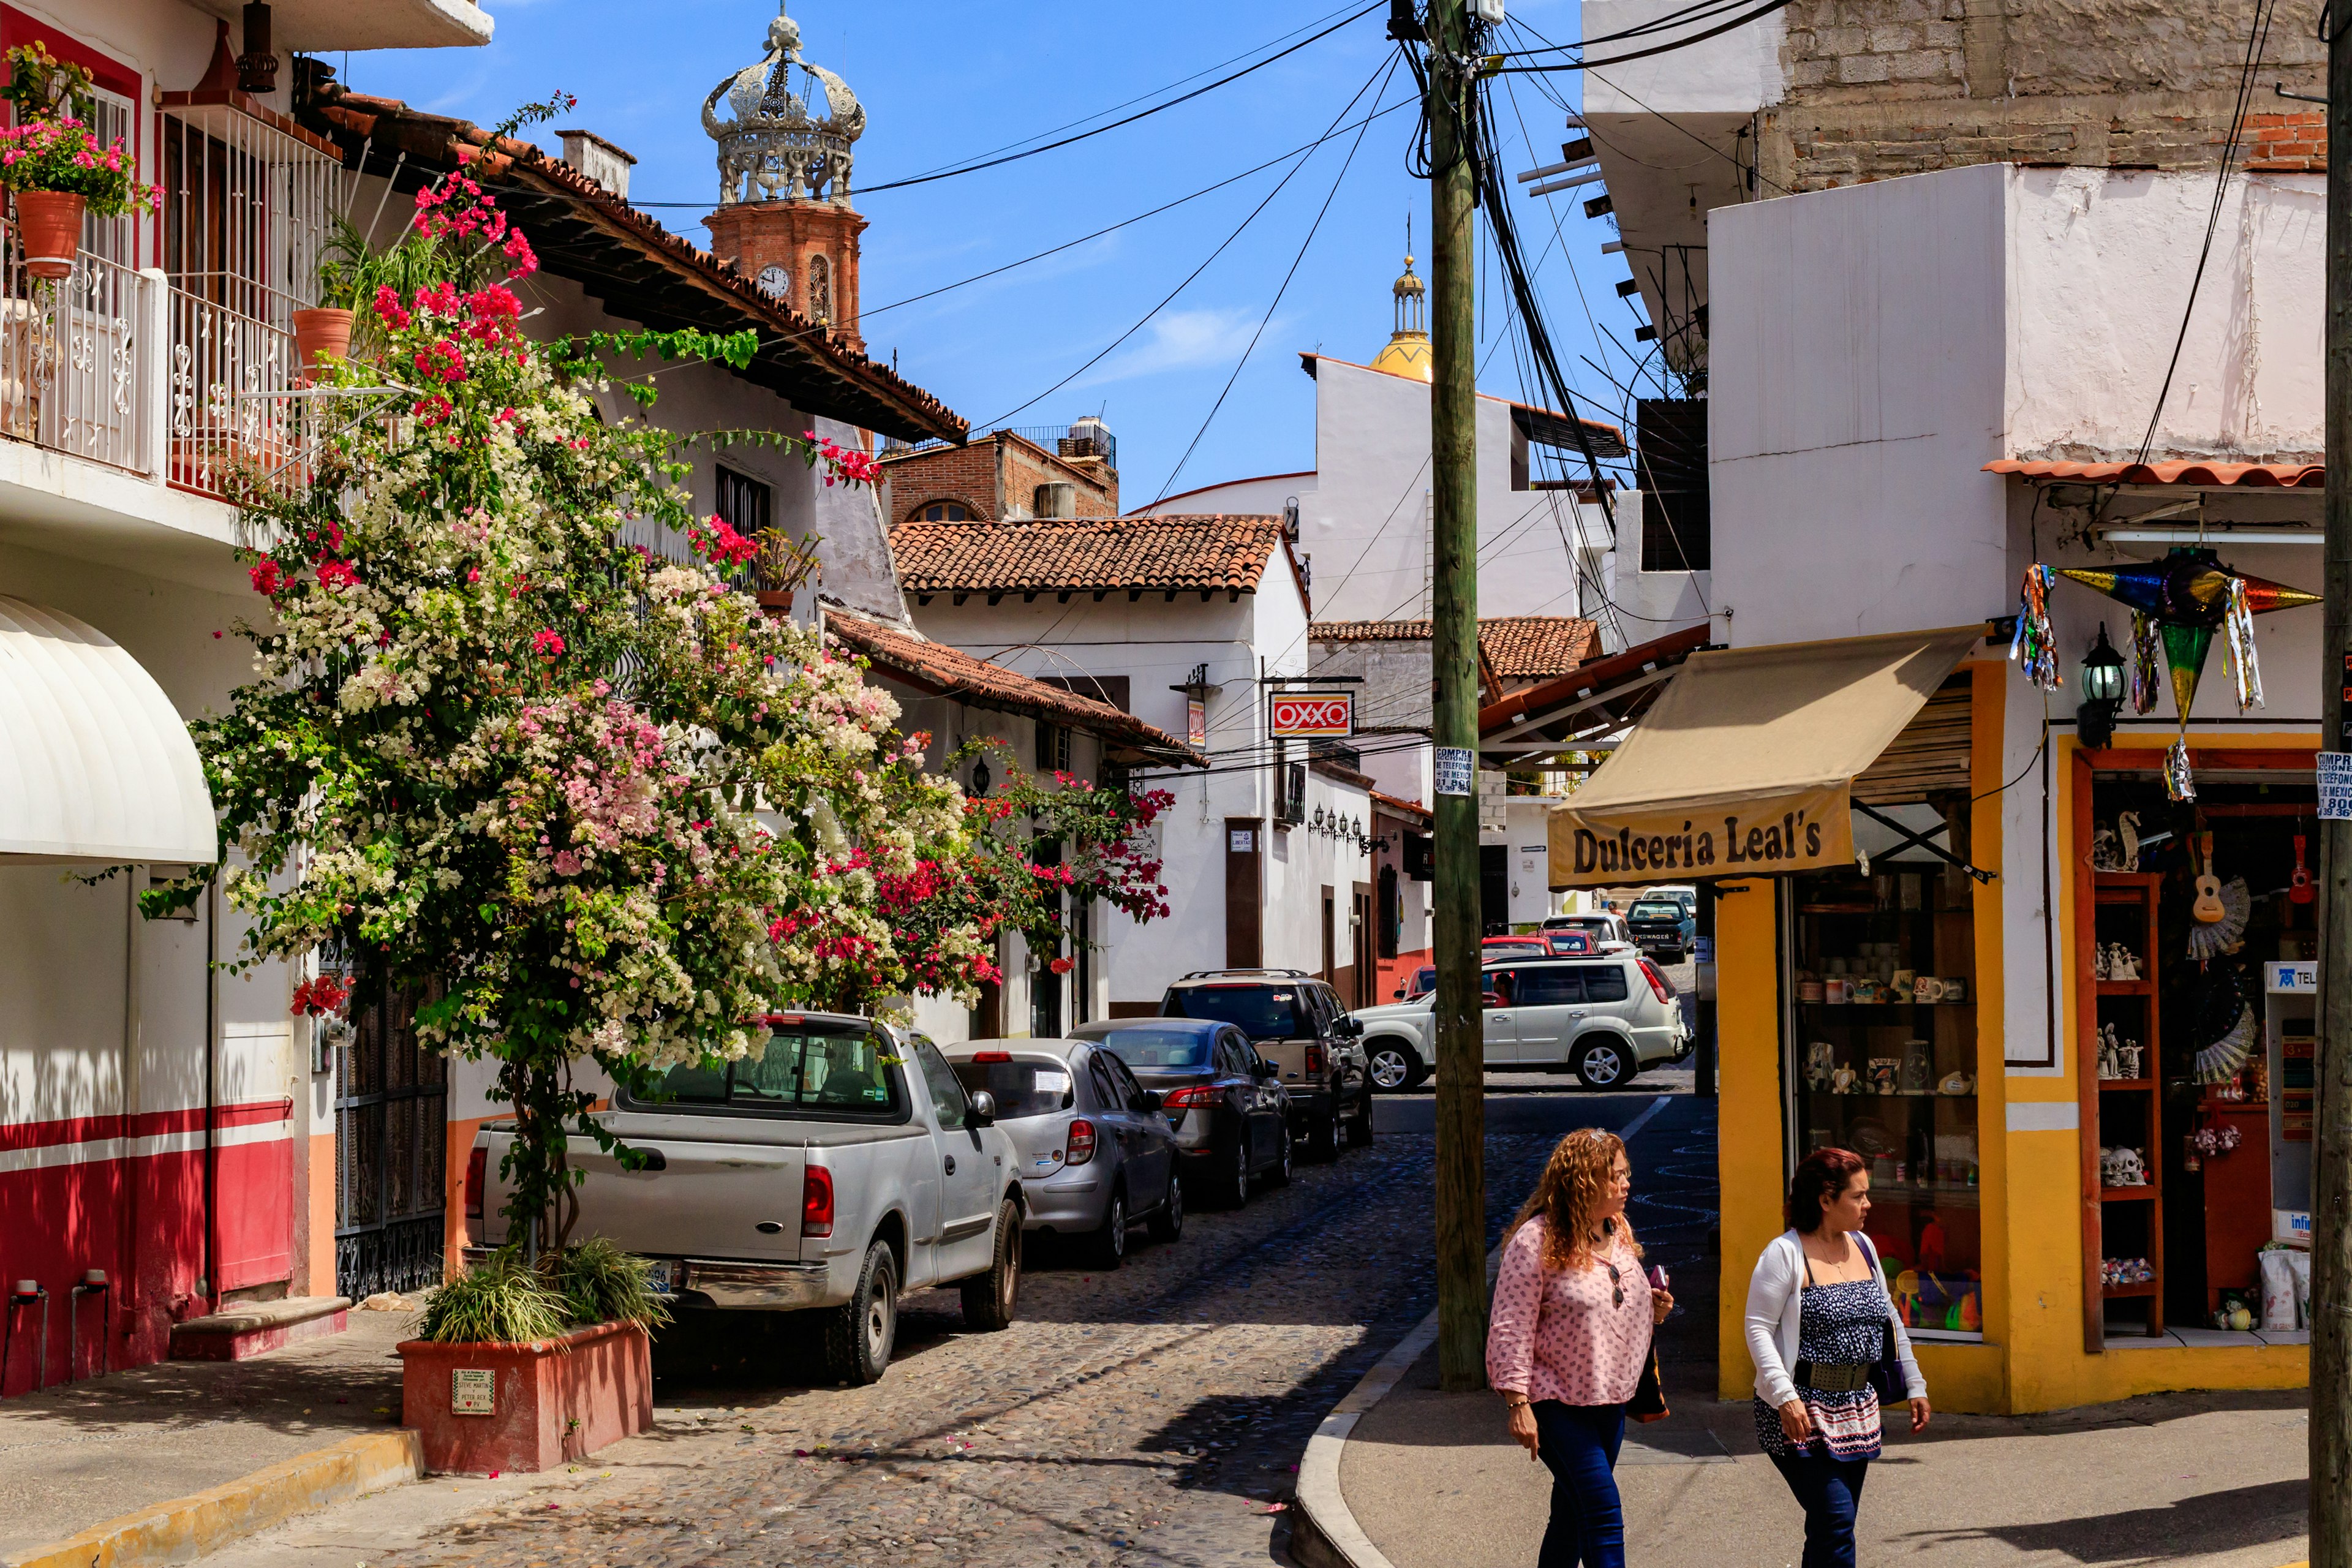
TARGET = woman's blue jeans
(1830,1490)
(1578,1443)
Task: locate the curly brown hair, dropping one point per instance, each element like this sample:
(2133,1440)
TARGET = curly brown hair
(1568,1192)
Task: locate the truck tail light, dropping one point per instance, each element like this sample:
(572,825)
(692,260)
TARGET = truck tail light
(1657,982)
(1200,1096)
(478,1172)
(1080,1142)
(1314,1060)
(816,1201)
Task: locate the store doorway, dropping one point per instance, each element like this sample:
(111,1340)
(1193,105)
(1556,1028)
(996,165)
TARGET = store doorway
(2195,1045)
(390,1126)
(1494,889)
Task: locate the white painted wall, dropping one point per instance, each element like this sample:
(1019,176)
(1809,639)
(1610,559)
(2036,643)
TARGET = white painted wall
(1156,643)
(1736,72)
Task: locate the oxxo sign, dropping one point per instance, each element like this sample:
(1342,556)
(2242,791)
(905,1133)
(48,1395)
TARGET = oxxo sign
(1321,715)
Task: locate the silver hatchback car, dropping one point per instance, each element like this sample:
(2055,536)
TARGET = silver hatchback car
(1096,1150)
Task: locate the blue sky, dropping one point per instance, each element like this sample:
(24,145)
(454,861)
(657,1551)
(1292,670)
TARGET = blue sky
(948,82)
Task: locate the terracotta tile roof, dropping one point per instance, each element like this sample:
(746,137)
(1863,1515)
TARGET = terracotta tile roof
(2246,476)
(1412,808)
(1369,631)
(1515,648)
(1048,556)
(1535,647)
(950,671)
(628,262)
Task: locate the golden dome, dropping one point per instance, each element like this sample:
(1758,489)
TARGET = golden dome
(1408,356)
(1408,353)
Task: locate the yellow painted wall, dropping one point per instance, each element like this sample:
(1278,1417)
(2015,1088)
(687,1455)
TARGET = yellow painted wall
(2030,1180)
(1747,1122)
(2047,1366)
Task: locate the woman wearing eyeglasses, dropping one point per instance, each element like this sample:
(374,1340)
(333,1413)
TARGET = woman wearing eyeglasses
(1820,1327)
(1569,1337)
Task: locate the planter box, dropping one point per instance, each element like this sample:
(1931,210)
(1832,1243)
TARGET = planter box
(484,1407)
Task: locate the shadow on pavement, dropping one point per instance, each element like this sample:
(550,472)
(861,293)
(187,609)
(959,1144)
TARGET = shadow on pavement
(2186,1527)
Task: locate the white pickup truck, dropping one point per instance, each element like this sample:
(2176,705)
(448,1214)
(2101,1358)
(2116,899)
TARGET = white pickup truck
(844,1166)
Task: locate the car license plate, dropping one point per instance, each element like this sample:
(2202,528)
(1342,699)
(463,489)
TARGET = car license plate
(662,1277)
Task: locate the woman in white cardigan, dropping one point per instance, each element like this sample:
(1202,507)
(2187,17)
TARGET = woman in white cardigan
(1819,1320)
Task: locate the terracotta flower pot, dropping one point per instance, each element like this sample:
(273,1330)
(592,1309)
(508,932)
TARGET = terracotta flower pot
(483,1407)
(321,335)
(777,602)
(49,224)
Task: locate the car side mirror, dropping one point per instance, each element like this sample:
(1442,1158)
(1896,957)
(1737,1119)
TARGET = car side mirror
(1148,1101)
(1349,1028)
(983,1109)
(1265,1068)
(1398,993)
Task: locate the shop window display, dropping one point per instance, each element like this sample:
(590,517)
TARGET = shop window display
(1883,1027)
(2210,975)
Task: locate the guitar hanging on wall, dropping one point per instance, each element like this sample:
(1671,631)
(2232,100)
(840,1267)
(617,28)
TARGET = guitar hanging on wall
(2208,908)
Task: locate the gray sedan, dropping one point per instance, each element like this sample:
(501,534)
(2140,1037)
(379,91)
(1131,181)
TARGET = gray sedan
(1096,1152)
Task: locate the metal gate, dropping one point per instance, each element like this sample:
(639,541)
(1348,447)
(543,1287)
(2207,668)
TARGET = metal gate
(390,1129)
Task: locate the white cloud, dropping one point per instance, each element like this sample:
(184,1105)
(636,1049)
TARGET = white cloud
(1183,340)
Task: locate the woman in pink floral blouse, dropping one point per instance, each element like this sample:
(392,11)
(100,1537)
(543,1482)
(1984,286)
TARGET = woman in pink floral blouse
(1569,1336)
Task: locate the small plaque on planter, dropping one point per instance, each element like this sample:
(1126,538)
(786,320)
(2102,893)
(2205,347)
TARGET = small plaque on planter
(472,1390)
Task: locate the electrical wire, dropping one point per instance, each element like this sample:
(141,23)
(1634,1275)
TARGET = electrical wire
(1143,321)
(1739,21)
(1129,120)
(1272,305)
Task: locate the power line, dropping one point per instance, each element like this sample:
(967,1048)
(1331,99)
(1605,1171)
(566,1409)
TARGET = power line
(1222,247)
(1141,96)
(1739,21)
(1129,120)
(1272,305)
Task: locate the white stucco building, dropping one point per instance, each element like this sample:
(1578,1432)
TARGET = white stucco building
(1190,623)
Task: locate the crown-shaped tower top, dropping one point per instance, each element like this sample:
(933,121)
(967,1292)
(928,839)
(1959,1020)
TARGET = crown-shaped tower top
(782,144)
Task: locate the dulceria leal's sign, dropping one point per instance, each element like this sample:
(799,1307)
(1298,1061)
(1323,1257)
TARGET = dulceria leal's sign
(1794,832)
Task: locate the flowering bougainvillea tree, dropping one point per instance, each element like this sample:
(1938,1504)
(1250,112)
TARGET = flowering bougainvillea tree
(594,799)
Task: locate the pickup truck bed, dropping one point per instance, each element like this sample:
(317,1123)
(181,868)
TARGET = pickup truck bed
(845,1166)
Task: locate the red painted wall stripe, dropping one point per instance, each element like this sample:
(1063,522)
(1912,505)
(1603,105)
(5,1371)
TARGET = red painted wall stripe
(146,1124)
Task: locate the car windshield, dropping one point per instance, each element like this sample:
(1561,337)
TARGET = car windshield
(1666,910)
(1260,1012)
(1021,1088)
(1158,1050)
(801,1068)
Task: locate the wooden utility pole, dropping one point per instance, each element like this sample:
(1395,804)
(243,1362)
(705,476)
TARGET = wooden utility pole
(2331,1211)
(1461,1174)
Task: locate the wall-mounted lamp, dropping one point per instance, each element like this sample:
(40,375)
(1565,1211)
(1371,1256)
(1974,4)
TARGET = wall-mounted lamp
(2103,692)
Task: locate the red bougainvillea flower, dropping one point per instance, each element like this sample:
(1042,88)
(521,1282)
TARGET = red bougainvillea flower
(334,573)
(319,996)
(267,577)
(714,539)
(547,644)
(389,310)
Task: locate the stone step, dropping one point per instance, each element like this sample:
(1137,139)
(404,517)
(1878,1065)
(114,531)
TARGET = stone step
(252,1328)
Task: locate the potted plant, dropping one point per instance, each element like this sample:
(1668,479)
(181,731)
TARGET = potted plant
(53,163)
(352,276)
(523,1367)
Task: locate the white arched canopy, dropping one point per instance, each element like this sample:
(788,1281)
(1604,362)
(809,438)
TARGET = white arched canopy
(95,762)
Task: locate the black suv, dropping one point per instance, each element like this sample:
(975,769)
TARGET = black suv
(1298,1023)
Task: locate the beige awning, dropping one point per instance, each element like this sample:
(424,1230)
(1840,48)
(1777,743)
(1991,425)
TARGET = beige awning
(1746,765)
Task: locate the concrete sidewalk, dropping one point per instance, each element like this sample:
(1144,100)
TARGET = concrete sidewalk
(78,1454)
(1434,1482)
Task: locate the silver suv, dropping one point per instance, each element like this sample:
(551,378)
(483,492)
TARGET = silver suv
(1604,1019)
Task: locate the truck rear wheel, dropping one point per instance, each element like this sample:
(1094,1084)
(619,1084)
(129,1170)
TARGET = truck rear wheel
(989,1298)
(858,1334)
(1324,1134)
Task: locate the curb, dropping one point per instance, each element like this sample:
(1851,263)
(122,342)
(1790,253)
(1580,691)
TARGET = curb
(1323,1529)
(191,1526)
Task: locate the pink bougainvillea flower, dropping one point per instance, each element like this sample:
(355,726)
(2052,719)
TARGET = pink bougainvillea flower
(547,643)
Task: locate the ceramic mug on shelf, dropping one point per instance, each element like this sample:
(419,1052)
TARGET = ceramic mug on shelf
(1927,988)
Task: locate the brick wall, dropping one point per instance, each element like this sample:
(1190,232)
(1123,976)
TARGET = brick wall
(1882,88)
(1002,470)
(2287,144)
(966,474)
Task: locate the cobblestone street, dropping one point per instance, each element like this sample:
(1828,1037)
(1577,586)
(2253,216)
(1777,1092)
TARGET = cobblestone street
(1155,1414)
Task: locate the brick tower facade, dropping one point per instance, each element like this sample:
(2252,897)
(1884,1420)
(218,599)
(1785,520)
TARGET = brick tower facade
(787,144)
(803,253)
